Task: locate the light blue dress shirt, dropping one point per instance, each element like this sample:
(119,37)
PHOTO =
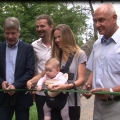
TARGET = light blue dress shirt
(11,54)
(104,61)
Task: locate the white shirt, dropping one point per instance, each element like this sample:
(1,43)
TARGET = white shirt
(42,54)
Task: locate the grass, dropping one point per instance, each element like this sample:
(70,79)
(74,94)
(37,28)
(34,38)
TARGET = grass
(33,113)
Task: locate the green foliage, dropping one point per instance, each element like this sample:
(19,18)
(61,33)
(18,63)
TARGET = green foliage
(26,12)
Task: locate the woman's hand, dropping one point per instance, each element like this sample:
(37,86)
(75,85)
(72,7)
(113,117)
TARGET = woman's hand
(57,87)
(50,87)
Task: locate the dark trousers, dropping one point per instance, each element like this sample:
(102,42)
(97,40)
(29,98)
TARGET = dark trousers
(55,114)
(10,105)
(74,112)
(40,101)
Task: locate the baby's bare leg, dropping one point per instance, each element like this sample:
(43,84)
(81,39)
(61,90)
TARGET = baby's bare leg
(47,113)
(65,112)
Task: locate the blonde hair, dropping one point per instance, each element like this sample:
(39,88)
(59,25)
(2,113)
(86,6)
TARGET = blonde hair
(12,22)
(67,42)
(54,62)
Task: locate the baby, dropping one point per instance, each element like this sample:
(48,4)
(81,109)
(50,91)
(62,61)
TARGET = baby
(53,76)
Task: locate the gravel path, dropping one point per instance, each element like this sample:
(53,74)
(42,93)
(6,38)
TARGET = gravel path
(87,108)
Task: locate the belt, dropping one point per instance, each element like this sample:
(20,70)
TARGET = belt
(116,98)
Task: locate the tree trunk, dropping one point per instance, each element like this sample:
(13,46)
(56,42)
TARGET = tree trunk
(92,12)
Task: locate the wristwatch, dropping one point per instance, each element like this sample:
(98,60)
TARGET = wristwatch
(111,90)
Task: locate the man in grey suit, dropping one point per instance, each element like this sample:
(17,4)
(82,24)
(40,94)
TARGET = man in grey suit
(17,66)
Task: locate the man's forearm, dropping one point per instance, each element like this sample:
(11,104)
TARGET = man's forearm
(35,79)
(90,78)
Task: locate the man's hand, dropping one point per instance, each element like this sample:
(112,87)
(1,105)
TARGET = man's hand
(5,85)
(101,96)
(87,87)
(29,85)
(11,87)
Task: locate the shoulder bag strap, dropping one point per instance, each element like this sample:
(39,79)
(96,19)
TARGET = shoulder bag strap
(66,70)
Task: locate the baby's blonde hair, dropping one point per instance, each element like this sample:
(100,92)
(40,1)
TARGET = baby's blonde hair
(54,62)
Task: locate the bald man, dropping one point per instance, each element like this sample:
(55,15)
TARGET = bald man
(104,63)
